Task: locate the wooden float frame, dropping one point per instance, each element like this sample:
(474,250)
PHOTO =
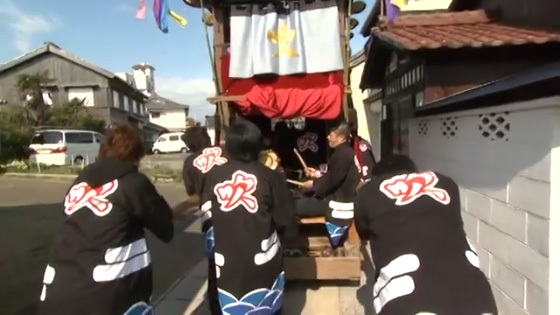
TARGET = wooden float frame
(326,268)
(297,268)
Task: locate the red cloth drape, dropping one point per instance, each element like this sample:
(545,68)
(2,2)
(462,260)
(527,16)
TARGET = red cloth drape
(314,95)
(319,103)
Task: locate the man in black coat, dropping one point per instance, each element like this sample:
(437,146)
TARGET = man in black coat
(423,259)
(334,191)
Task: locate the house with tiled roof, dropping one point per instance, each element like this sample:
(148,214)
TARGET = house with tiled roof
(108,95)
(472,92)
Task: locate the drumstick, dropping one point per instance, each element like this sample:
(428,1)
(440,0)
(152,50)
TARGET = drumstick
(300,158)
(294,182)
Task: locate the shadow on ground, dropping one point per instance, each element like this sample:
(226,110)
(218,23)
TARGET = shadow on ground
(365,292)
(29,233)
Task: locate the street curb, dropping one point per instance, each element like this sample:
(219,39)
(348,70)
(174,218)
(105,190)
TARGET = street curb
(31,175)
(73,176)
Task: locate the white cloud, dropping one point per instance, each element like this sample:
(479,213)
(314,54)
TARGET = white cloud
(24,24)
(192,92)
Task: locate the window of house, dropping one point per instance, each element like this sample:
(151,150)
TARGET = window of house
(135,106)
(116,100)
(85,94)
(400,115)
(155,114)
(210,122)
(127,103)
(79,137)
(47,98)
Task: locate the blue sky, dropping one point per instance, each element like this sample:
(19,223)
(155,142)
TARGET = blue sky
(108,34)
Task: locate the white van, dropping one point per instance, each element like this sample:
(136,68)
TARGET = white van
(170,142)
(64,146)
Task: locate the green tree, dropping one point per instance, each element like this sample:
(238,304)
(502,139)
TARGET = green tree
(17,123)
(31,87)
(74,114)
(15,132)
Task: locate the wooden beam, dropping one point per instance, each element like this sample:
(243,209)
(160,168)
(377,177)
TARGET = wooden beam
(323,268)
(315,220)
(345,49)
(235,98)
(225,98)
(219,47)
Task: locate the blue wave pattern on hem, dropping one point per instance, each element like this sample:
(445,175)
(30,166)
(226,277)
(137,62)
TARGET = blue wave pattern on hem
(209,242)
(257,302)
(336,232)
(140,308)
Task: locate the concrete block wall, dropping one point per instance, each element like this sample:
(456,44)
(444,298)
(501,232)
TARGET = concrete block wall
(501,159)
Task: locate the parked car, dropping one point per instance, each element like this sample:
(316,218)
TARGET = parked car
(170,142)
(64,147)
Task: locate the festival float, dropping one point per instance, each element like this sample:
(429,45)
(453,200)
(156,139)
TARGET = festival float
(285,67)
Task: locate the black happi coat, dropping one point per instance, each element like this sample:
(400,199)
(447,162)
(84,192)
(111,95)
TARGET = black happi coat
(419,247)
(367,158)
(338,187)
(197,165)
(250,203)
(101,263)
(195,169)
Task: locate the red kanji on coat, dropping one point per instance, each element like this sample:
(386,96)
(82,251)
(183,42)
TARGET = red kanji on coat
(82,195)
(238,191)
(208,159)
(407,188)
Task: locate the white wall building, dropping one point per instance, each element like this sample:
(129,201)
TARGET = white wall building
(504,155)
(506,161)
(162,111)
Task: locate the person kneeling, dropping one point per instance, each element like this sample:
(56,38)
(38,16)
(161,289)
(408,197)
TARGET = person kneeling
(425,263)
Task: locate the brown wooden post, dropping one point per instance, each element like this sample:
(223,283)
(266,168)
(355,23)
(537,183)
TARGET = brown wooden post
(344,47)
(219,49)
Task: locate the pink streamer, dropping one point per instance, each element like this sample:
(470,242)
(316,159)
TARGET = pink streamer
(141,13)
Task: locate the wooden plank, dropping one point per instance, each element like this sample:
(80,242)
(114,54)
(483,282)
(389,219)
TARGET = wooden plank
(315,220)
(353,237)
(323,268)
(235,98)
(310,242)
(225,98)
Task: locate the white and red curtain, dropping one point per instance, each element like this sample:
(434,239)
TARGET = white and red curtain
(303,39)
(287,61)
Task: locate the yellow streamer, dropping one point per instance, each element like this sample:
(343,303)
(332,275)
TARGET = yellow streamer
(400,3)
(179,19)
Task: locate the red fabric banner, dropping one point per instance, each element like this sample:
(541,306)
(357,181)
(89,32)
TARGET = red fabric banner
(316,95)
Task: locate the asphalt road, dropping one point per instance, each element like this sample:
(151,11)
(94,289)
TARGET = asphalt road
(170,160)
(30,216)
